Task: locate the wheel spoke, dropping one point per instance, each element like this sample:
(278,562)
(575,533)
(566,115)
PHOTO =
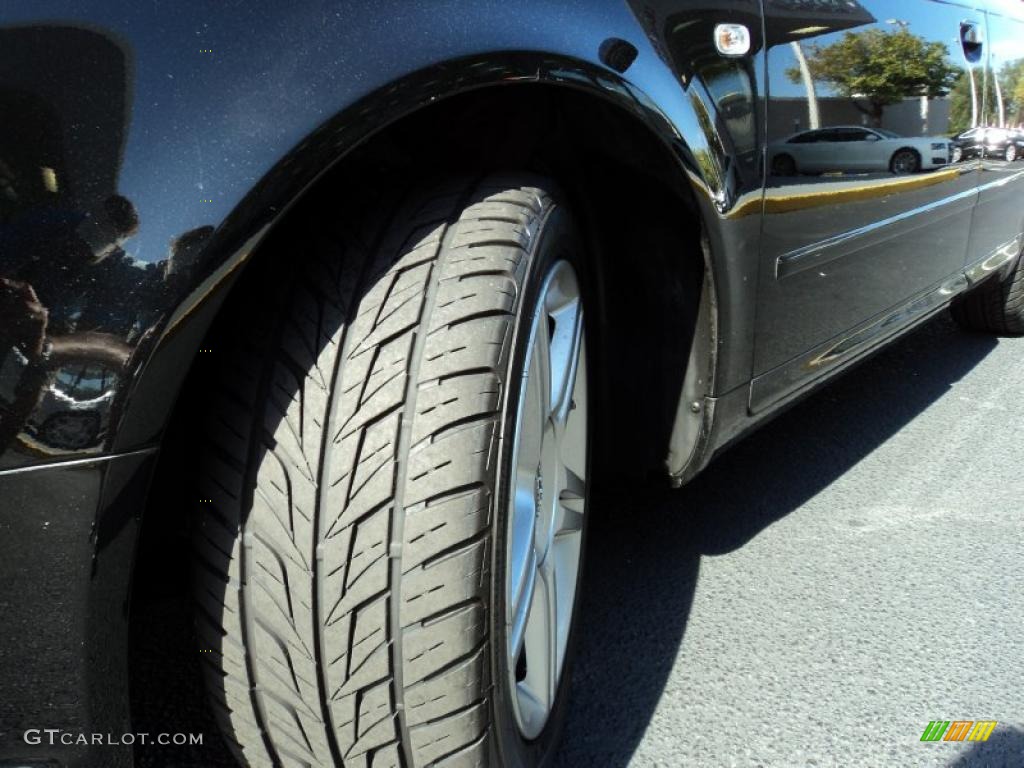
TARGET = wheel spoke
(573,448)
(564,352)
(541,638)
(523,527)
(549,576)
(522,605)
(571,506)
(565,557)
(540,368)
(570,516)
(535,407)
(531,708)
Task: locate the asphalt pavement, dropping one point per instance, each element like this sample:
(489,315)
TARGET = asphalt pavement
(826,588)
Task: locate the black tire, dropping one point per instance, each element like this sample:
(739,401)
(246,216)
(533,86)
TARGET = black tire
(350,549)
(912,164)
(71,430)
(783,165)
(995,306)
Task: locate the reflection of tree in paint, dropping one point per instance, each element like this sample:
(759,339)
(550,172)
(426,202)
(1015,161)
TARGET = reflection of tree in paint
(963,112)
(707,158)
(875,68)
(1011,79)
(1010,93)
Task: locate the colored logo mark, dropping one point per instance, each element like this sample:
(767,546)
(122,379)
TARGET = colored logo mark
(958,730)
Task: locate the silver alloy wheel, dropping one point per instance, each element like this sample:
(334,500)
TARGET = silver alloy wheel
(547,497)
(1011,153)
(904,161)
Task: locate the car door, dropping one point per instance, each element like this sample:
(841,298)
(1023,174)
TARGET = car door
(818,152)
(999,217)
(804,149)
(842,252)
(861,150)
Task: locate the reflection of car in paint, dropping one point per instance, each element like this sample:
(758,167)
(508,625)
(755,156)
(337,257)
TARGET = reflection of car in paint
(1003,143)
(69,389)
(855,148)
(68,412)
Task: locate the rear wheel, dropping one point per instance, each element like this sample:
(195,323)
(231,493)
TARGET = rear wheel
(996,306)
(397,485)
(1011,152)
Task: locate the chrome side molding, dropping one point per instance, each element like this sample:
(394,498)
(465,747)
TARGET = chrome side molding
(876,233)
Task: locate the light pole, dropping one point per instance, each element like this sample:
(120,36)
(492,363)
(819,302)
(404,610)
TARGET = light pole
(999,96)
(813,113)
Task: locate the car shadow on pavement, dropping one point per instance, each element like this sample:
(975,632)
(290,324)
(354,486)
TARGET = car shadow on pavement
(645,546)
(1004,749)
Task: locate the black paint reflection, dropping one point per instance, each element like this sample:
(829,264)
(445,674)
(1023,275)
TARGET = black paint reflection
(1000,143)
(855,95)
(723,92)
(864,204)
(997,141)
(73,304)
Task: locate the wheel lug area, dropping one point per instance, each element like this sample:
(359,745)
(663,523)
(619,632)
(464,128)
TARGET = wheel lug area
(546,490)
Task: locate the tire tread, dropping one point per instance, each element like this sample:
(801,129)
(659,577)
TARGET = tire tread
(342,564)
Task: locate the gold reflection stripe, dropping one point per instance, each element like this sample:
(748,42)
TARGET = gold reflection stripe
(31,446)
(209,285)
(787,203)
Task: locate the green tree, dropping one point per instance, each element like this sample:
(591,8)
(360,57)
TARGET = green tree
(876,68)
(1011,79)
(1011,86)
(960,109)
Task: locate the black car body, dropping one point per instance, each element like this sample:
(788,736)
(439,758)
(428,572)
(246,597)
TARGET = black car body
(149,153)
(1002,143)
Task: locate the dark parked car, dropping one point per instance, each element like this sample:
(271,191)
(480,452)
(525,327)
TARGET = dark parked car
(1004,143)
(347,307)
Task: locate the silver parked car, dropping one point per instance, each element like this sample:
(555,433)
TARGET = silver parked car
(859,149)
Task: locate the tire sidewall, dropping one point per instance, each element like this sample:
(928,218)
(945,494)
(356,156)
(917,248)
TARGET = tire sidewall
(555,239)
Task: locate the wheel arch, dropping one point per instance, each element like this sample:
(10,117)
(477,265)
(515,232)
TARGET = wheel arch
(670,205)
(654,297)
